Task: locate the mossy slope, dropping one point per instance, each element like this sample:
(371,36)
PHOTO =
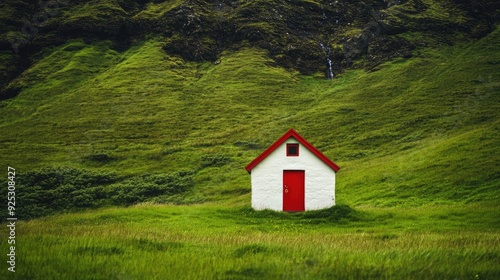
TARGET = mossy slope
(417,131)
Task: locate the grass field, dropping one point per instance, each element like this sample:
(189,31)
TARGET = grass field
(417,140)
(232,242)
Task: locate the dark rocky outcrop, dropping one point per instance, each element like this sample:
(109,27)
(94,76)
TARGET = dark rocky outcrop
(298,34)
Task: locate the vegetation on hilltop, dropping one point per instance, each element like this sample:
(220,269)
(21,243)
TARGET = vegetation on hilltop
(297,34)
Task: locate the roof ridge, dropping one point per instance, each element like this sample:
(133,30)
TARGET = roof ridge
(291,133)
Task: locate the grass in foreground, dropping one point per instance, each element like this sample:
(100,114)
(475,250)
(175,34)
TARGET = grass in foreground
(218,242)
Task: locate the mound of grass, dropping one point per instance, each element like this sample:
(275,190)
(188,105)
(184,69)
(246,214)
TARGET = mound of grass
(338,214)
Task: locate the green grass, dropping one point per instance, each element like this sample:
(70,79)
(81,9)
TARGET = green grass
(94,13)
(417,141)
(217,242)
(156,10)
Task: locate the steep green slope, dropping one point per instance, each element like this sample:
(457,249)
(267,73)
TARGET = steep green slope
(297,34)
(416,131)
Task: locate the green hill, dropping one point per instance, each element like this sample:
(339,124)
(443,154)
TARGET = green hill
(159,105)
(415,131)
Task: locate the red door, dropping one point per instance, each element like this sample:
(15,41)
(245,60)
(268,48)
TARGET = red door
(293,190)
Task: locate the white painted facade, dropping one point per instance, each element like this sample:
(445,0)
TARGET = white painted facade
(267,179)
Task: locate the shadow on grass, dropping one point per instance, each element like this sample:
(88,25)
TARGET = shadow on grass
(338,214)
(250,249)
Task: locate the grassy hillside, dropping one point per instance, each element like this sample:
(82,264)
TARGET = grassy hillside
(129,124)
(415,131)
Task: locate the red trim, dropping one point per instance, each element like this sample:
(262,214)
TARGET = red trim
(291,133)
(292,145)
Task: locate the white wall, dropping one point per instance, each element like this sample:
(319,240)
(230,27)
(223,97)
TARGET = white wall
(267,179)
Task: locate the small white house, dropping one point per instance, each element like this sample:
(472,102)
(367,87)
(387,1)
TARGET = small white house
(292,175)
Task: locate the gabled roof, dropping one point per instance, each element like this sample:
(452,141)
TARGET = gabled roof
(292,133)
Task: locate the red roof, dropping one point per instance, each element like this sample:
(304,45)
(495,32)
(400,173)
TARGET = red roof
(281,140)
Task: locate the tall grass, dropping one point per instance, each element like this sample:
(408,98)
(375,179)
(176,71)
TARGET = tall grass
(214,242)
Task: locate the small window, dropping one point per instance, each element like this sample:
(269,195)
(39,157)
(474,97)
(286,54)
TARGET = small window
(292,150)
